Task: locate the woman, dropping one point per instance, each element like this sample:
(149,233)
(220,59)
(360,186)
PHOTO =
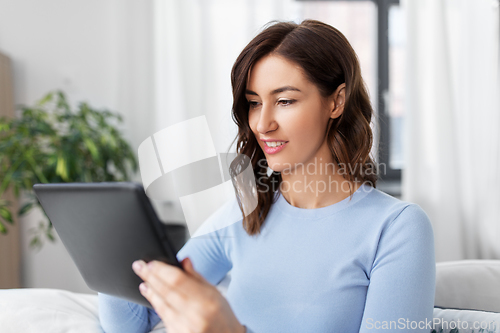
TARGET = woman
(324,251)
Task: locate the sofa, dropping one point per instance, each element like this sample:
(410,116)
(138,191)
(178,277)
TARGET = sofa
(467,297)
(467,301)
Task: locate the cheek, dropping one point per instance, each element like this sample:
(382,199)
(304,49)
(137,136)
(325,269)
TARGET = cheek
(306,130)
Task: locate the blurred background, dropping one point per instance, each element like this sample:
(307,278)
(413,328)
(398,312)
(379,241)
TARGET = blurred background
(431,67)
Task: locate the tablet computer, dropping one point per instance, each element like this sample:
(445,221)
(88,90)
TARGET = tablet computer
(106,227)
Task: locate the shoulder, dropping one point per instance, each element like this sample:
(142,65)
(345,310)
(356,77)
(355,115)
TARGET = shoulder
(392,210)
(412,214)
(408,232)
(412,222)
(382,203)
(392,220)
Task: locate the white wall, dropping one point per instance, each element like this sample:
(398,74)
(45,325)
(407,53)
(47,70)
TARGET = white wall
(99,51)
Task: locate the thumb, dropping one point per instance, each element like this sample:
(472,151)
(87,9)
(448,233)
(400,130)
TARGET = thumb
(187,264)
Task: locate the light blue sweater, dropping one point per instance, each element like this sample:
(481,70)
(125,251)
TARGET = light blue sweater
(364,264)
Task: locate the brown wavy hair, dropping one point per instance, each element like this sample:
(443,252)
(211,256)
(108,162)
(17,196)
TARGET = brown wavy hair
(328,60)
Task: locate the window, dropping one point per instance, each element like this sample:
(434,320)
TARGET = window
(387,88)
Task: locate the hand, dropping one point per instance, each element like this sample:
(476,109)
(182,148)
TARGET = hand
(184,300)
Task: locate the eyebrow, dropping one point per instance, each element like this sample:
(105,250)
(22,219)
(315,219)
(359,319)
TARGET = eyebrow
(275,91)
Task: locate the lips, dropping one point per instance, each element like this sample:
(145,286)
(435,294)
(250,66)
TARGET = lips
(271,140)
(274,150)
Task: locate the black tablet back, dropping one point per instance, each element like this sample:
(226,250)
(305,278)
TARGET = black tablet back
(106,227)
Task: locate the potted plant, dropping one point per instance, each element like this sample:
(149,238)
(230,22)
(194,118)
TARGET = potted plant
(50,143)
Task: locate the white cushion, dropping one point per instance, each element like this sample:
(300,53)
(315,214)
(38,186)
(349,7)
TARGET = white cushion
(468,284)
(48,311)
(465,321)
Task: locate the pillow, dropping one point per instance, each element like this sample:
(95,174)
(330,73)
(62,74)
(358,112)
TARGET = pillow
(468,284)
(31,310)
(465,321)
(36,310)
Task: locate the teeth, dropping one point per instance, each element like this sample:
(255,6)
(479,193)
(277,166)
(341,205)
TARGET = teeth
(274,143)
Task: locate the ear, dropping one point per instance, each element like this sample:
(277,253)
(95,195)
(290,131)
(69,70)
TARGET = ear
(338,100)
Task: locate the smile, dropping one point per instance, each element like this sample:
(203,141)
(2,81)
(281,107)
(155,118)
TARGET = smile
(271,147)
(274,143)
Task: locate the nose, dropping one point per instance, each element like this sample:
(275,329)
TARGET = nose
(267,121)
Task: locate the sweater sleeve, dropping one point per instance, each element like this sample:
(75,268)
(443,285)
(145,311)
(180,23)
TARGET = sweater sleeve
(400,296)
(209,255)
(121,316)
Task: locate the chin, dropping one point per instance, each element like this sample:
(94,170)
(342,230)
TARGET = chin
(277,166)
(276,169)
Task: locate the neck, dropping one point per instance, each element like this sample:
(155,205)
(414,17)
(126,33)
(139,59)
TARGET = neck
(316,184)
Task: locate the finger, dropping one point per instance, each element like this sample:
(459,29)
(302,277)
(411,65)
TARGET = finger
(177,319)
(149,273)
(173,277)
(187,264)
(162,308)
(161,270)
(185,295)
(174,297)
(174,321)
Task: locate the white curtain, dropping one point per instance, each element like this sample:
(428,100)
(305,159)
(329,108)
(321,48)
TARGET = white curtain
(131,31)
(452,141)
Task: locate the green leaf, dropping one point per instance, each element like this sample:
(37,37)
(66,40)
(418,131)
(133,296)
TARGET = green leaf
(6,215)
(62,102)
(4,126)
(27,183)
(47,98)
(61,169)
(25,208)
(35,243)
(49,235)
(92,148)
(3,230)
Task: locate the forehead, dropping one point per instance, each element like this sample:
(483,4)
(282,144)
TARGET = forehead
(273,71)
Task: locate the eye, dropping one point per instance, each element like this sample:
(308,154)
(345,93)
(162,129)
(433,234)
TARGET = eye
(253,104)
(286,102)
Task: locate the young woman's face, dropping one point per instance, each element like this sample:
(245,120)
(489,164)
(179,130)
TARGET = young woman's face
(287,109)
